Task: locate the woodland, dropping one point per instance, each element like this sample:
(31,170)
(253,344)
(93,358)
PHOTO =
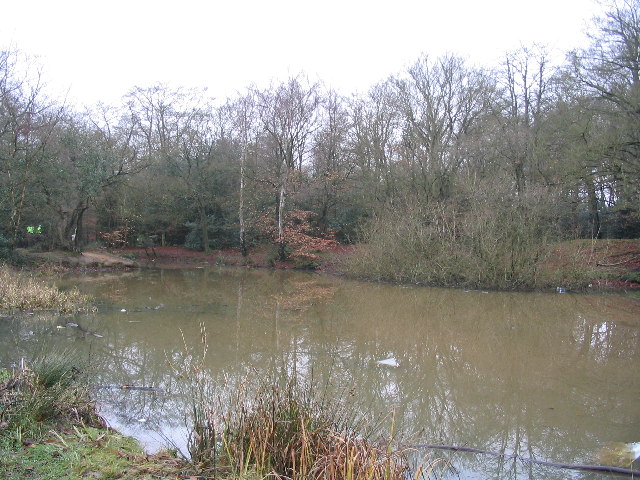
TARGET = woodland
(444,173)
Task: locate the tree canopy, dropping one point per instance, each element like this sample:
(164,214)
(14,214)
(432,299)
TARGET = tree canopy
(450,149)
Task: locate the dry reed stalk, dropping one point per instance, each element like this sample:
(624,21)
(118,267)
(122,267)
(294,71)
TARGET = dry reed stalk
(286,428)
(20,291)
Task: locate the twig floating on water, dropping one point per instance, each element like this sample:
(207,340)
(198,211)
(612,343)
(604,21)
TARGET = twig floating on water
(132,387)
(568,466)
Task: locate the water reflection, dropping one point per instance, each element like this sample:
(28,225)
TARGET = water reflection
(540,375)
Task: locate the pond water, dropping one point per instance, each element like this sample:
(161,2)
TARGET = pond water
(546,376)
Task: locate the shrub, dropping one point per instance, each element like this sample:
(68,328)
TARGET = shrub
(302,239)
(633,277)
(271,256)
(481,240)
(116,238)
(221,233)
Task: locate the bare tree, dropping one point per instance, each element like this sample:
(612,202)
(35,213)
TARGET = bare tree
(180,129)
(608,77)
(27,126)
(288,114)
(374,132)
(441,101)
(525,80)
(332,162)
(244,119)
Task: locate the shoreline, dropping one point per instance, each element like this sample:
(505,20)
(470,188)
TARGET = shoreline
(614,265)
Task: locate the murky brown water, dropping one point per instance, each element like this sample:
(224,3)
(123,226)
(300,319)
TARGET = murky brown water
(551,376)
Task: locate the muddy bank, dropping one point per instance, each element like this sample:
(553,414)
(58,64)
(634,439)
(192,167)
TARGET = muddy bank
(91,259)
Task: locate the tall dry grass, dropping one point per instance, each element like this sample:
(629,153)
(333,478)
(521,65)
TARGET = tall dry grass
(285,430)
(24,292)
(285,426)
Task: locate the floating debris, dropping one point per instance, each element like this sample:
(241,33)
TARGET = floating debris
(72,325)
(157,307)
(388,362)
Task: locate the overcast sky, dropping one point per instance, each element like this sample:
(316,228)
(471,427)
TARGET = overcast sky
(98,50)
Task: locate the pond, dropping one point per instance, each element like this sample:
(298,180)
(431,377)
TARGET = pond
(542,375)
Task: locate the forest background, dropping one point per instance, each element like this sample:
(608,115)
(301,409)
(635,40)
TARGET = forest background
(443,174)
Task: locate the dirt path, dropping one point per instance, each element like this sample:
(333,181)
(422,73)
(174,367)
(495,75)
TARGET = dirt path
(93,259)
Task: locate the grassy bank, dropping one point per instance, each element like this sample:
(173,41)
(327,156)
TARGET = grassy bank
(86,452)
(49,429)
(25,292)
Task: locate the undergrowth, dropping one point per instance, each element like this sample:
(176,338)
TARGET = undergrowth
(469,244)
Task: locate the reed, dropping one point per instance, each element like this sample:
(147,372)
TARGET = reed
(288,430)
(24,292)
(285,425)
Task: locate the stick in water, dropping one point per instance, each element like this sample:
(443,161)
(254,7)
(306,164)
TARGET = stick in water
(568,466)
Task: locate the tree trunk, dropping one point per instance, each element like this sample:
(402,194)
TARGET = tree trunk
(78,238)
(69,225)
(243,244)
(16,214)
(204,227)
(592,199)
(282,254)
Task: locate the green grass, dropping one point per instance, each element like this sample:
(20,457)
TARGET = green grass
(49,429)
(86,452)
(42,395)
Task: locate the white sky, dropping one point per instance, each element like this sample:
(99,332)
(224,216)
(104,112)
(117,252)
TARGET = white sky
(98,50)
